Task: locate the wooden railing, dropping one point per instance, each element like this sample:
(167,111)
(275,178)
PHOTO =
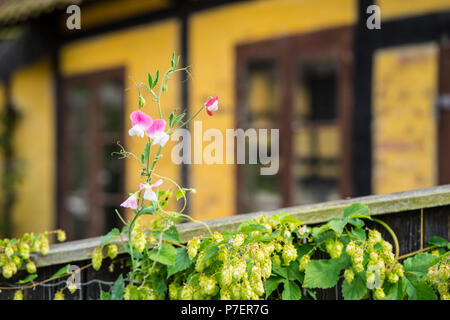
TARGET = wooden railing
(415,216)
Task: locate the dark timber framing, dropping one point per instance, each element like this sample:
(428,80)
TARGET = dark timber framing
(330,45)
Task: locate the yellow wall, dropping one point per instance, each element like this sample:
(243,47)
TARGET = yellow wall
(404,128)
(32,95)
(98,13)
(213,36)
(391,9)
(140,50)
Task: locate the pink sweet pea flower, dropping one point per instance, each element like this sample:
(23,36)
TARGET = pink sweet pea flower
(149,194)
(212,105)
(156,132)
(140,122)
(131,202)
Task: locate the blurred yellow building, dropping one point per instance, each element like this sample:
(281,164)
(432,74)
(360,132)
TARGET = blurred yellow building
(361,110)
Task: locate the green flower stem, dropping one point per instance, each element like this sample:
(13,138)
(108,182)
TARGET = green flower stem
(392,233)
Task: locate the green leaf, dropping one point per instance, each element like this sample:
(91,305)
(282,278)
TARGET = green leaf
(149,80)
(159,284)
(356,289)
(146,152)
(156,79)
(150,209)
(291,219)
(291,291)
(36,236)
(110,235)
(28,278)
(280,271)
(420,263)
(438,241)
(359,233)
(61,271)
(323,273)
(293,273)
(170,234)
(356,222)
(182,262)
(118,289)
(178,119)
(337,225)
(211,251)
(357,210)
(419,290)
(166,255)
(170,120)
(180,194)
(247,228)
(395,291)
(271,284)
(104,295)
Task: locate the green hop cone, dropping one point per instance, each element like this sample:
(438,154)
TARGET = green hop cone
(217,237)
(223,253)
(173,291)
(61,235)
(18,295)
(192,247)
(226,275)
(7,271)
(58,296)
(239,269)
(276,260)
(378,294)
(72,287)
(392,277)
(45,246)
(24,251)
(31,267)
(225,294)
(289,253)
(97,258)
(187,292)
(9,251)
(239,240)
(236,291)
(304,260)
(349,275)
(112,251)
(208,285)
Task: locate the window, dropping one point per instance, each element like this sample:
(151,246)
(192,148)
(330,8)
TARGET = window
(301,85)
(91,179)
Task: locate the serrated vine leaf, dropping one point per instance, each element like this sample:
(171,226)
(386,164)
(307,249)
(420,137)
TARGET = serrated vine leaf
(323,273)
(271,284)
(420,263)
(182,262)
(356,289)
(291,291)
(110,235)
(438,241)
(357,210)
(166,255)
(118,289)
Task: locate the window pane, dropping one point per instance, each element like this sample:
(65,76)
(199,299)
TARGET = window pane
(111,104)
(261,101)
(316,135)
(260,192)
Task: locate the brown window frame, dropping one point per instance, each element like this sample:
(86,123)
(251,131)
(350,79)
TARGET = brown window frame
(330,45)
(96,224)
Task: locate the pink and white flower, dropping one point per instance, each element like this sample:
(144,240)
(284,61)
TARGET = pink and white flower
(149,194)
(131,202)
(212,105)
(140,122)
(156,132)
